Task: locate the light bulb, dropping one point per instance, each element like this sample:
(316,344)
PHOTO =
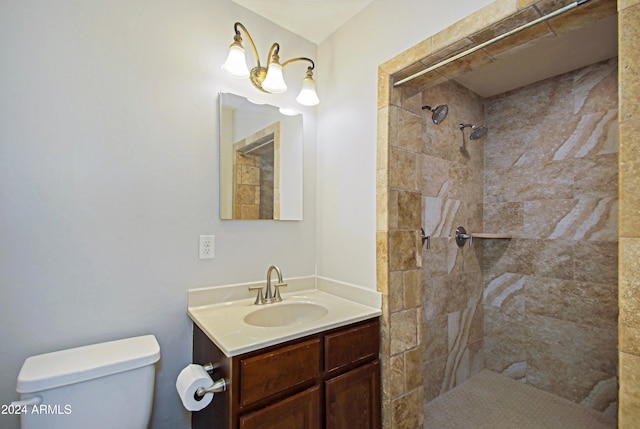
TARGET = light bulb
(274,81)
(308,95)
(236,63)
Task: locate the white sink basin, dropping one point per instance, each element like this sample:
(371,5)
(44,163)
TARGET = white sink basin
(285,315)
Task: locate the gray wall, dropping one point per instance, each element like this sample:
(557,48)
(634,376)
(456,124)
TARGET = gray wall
(109,173)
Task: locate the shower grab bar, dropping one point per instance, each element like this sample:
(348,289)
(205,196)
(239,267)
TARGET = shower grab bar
(491,41)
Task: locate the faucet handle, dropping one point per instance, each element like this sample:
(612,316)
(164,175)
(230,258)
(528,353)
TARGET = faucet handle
(259,296)
(276,295)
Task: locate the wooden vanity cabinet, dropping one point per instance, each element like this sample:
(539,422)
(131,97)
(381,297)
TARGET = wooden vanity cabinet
(327,380)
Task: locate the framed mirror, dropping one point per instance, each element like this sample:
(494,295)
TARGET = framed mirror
(260,161)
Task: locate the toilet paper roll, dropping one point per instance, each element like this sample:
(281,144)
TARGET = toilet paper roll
(190,379)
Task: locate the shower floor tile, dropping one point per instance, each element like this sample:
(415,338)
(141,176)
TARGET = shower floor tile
(493,401)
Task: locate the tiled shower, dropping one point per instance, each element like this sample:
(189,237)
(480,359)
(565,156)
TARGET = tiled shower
(541,306)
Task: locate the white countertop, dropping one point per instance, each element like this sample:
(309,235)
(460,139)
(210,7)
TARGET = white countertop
(223,322)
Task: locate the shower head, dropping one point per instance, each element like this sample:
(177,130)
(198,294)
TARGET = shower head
(439,113)
(476,133)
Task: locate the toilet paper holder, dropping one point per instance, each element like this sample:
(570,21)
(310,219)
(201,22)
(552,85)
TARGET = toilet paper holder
(216,387)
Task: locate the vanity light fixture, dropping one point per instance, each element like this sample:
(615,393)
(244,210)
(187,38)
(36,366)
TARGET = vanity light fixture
(267,79)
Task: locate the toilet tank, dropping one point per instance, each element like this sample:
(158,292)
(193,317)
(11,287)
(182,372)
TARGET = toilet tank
(105,385)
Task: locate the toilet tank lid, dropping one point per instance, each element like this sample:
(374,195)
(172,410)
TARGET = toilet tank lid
(64,367)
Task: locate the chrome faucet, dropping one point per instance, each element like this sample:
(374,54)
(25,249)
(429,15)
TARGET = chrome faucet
(270,297)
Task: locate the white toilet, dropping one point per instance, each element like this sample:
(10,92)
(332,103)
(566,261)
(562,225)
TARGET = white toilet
(106,385)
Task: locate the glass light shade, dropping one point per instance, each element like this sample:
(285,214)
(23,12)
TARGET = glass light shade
(274,81)
(236,64)
(308,96)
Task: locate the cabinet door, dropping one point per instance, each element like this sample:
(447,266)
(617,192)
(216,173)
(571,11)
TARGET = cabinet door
(353,399)
(301,411)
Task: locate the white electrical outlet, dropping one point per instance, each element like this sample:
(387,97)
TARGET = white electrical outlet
(207,246)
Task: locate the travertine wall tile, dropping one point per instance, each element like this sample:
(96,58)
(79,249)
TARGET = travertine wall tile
(555,171)
(626,3)
(402,250)
(630,296)
(404,173)
(412,289)
(629,39)
(629,179)
(629,392)
(413,364)
(407,411)
(409,209)
(585,133)
(579,302)
(557,348)
(397,374)
(403,331)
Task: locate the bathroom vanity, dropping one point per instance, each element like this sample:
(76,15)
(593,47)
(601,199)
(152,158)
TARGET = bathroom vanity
(326,380)
(308,362)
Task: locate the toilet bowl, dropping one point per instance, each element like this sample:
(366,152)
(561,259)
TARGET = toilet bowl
(106,385)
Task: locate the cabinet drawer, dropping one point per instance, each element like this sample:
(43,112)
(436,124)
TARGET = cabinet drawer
(301,411)
(352,345)
(269,373)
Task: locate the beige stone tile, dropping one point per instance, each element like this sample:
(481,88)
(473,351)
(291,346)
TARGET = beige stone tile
(411,128)
(404,169)
(397,372)
(382,201)
(427,80)
(402,250)
(403,331)
(407,71)
(591,304)
(433,378)
(521,4)
(511,256)
(468,63)
(413,364)
(412,288)
(629,415)
(382,262)
(384,85)
(596,262)
(629,322)
(436,338)
(409,210)
(412,100)
(568,359)
(395,291)
(451,293)
(514,21)
(596,177)
(594,219)
(393,209)
(435,176)
(505,339)
(622,4)
(587,13)
(407,411)
(530,182)
(382,158)
(629,180)
(557,259)
(504,218)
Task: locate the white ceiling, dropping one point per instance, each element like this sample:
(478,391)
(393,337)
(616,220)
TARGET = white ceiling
(313,20)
